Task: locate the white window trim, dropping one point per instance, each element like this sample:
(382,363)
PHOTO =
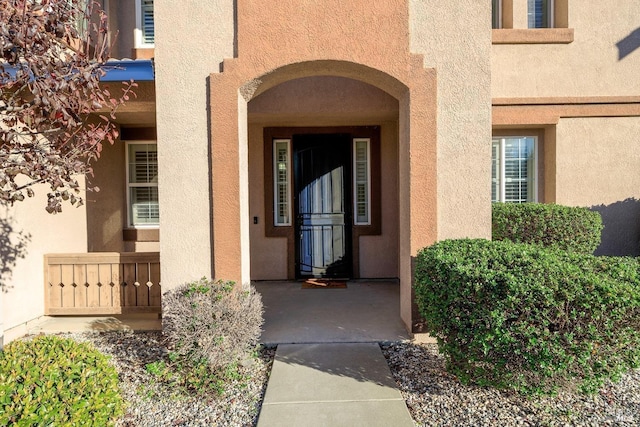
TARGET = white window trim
(355,202)
(129,185)
(275,183)
(137,32)
(502,172)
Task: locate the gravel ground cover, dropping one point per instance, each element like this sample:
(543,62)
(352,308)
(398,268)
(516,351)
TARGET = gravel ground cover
(436,398)
(152,404)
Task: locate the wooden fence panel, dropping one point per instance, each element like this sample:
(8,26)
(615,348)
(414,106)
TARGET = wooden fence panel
(102,283)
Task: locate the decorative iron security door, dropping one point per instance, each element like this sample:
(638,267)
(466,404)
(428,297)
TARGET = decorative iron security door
(322,203)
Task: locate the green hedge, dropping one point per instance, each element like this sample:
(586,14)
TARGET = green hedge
(52,381)
(529,318)
(562,227)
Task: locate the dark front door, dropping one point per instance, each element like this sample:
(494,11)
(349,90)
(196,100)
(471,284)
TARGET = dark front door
(322,203)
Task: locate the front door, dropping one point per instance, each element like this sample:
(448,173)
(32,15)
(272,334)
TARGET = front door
(322,203)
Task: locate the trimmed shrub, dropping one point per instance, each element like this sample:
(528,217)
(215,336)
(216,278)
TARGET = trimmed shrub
(212,321)
(529,318)
(568,228)
(57,381)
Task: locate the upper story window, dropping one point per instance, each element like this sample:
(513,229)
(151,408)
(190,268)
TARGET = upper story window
(513,169)
(531,22)
(145,32)
(540,13)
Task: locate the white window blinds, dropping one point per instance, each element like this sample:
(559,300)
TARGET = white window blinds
(540,13)
(281,182)
(513,169)
(144,208)
(361,181)
(145,27)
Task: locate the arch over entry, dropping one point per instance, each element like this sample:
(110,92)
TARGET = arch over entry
(231,90)
(347,69)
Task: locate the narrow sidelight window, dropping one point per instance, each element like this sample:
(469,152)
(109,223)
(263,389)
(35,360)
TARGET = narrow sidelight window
(142,183)
(540,13)
(282,181)
(513,169)
(362,181)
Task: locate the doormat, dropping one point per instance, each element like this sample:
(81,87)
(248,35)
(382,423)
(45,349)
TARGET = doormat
(324,284)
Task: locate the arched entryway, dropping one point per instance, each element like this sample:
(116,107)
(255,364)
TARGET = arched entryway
(323,174)
(322,100)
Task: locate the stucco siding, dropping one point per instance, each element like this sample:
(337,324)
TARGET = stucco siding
(106,209)
(603,59)
(456,41)
(191,42)
(597,164)
(28,233)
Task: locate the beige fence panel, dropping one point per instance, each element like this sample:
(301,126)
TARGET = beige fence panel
(102,283)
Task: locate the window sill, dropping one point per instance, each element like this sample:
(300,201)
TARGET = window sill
(532,36)
(141,234)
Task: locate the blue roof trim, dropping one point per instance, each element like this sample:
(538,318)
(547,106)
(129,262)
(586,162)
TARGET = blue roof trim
(140,70)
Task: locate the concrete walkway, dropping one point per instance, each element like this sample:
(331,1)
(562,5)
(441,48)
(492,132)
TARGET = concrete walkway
(332,385)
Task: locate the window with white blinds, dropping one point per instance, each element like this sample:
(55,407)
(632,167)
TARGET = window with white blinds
(145,33)
(362,181)
(540,13)
(282,181)
(513,169)
(142,182)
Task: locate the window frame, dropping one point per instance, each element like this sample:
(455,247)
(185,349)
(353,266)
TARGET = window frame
(535,180)
(130,185)
(354,143)
(276,201)
(139,30)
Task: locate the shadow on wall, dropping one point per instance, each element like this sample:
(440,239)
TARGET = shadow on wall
(13,246)
(628,44)
(621,233)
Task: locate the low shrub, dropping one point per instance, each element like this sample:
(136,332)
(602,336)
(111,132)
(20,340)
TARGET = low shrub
(212,321)
(57,381)
(569,228)
(529,318)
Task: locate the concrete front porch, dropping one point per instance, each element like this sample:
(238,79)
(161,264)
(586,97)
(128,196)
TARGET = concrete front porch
(366,311)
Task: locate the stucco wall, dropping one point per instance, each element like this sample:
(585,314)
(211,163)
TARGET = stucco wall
(28,232)
(122,24)
(456,41)
(106,209)
(597,165)
(603,59)
(191,42)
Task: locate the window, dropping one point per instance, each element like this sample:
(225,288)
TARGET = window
(282,181)
(361,181)
(540,13)
(144,33)
(142,184)
(496,13)
(513,169)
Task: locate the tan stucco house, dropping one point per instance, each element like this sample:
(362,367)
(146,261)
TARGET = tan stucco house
(285,139)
